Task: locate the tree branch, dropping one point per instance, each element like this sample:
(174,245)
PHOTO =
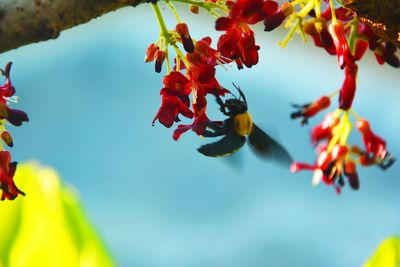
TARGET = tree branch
(383,16)
(29,21)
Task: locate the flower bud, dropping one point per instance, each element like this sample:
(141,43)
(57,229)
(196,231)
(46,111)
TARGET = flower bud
(183,31)
(151,50)
(194,9)
(159,57)
(7,139)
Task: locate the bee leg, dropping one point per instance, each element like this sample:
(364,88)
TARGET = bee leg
(215,125)
(221,104)
(208,133)
(387,162)
(217,129)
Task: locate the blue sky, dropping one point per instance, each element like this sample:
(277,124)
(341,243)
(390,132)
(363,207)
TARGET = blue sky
(157,202)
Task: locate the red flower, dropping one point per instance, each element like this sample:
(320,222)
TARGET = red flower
(384,51)
(322,38)
(251,11)
(238,42)
(150,52)
(159,57)
(7,171)
(7,138)
(273,21)
(361,47)
(348,90)
(175,99)
(13,116)
(342,14)
(323,131)
(342,48)
(373,143)
(368,159)
(171,107)
(200,119)
(6,90)
(16,117)
(183,31)
(204,54)
(331,167)
(352,175)
(309,110)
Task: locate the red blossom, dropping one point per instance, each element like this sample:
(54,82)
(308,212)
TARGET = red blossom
(331,168)
(7,170)
(7,138)
(274,20)
(171,107)
(361,47)
(309,110)
(174,100)
(238,42)
(323,131)
(159,57)
(183,31)
(342,14)
(199,122)
(373,143)
(342,48)
(150,52)
(348,89)
(13,116)
(322,38)
(7,89)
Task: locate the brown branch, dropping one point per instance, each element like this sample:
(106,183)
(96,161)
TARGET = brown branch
(382,15)
(29,21)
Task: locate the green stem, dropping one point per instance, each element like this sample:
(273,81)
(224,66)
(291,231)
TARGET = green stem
(353,35)
(355,115)
(318,9)
(168,62)
(306,9)
(161,23)
(182,56)
(290,34)
(296,2)
(346,129)
(173,9)
(334,20)
(206,5)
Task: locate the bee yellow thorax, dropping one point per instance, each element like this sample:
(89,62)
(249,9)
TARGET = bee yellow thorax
(243,124)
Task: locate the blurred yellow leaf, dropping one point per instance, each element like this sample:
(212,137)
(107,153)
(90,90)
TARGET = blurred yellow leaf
(48,227)
(387,254)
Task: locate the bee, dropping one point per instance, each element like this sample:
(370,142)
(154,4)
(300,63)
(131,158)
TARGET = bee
(235,129)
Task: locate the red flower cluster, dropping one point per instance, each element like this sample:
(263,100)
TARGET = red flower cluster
(336,30)
(385,52)
(375,147)
(336,159)
(331,167)
(364,38)
(237,45)
(199,81)
(15,117)
(238,42)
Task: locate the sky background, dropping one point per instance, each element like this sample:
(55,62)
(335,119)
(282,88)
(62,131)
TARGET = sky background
(157,202)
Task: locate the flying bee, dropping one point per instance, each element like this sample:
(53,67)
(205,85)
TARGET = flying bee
(235,129)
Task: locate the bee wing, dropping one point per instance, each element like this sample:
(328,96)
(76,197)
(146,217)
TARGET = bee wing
(266,147)
(225,146)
